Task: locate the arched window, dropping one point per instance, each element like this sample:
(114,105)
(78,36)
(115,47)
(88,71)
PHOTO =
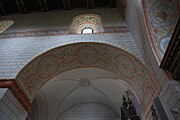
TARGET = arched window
(87,30)
(86,24)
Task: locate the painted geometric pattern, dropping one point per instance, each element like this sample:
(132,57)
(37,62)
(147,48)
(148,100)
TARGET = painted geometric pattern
(46,66)
(5,24)
(162,17)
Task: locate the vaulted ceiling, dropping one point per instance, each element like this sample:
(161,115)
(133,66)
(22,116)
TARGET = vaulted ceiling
(84,85)
(29,6)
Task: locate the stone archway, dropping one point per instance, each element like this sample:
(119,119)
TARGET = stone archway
(96,55)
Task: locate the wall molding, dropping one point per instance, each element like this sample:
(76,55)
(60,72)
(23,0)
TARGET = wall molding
(57,32)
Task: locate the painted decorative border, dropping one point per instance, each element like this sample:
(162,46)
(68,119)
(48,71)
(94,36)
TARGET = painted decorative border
(57,32)
(5,24)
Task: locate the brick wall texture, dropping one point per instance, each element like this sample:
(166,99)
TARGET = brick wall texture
(89,111)
(15,53)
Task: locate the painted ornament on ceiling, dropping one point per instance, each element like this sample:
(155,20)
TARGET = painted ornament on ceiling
(163,16)
(48,66)
(125,66)
(5,24)
(163,43)
(87,55)
(84,83)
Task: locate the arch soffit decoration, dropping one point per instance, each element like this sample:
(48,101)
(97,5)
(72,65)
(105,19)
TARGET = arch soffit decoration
(80,55)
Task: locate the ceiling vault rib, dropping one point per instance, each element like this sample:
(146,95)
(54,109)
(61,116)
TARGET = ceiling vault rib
(21,6)
(90,4)
(43,5)
(2,9)
(63,99)
(102,93)
(67,4)
(112,3)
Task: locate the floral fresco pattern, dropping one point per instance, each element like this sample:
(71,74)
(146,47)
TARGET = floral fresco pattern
(162,15)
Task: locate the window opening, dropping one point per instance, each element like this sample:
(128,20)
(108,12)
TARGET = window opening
(87,31)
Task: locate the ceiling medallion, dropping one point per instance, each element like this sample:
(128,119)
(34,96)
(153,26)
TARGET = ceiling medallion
(84,83)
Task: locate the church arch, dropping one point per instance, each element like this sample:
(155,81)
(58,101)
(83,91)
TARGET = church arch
(96,55)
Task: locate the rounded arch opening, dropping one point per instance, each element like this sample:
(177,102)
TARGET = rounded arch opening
(83,85)
(87,30)
(95,55)
(81,22)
